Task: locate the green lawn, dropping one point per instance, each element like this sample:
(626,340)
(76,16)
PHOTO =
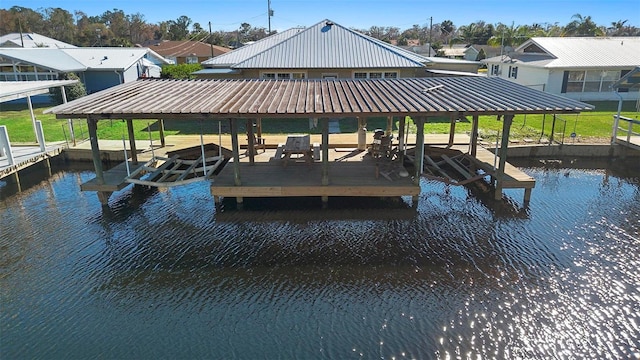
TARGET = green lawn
(595,124)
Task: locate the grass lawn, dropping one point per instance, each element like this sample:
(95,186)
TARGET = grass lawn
(588,125)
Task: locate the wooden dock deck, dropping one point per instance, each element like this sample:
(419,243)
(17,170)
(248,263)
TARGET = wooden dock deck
(356,177)
(631,141)
(26,156)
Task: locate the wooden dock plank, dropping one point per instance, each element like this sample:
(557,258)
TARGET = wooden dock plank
(114,178)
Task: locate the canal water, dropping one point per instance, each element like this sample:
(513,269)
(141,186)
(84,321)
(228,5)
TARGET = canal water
(163,274)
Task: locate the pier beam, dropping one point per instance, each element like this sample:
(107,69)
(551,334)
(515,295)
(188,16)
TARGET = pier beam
(5,145)
(419,158)
(506,128)
(235,147)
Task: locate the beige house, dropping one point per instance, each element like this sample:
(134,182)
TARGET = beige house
(326,50)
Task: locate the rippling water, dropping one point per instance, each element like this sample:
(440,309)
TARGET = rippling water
(162,274)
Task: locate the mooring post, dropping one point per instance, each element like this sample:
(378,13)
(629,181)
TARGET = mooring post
(506,127)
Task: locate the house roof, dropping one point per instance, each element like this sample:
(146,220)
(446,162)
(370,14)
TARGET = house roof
(324,45)
(220,99)
(184,48)
(79,59)
(12,90)
(577,52)
(47,58)
(31,40)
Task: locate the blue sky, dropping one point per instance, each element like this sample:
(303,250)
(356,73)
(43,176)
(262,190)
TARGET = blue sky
(362,14)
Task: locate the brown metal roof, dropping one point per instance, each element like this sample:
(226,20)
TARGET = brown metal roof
(214,99)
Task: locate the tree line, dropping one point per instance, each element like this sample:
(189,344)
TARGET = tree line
(116,28)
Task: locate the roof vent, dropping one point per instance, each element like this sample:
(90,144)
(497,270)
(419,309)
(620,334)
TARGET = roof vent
(104,58)
(328,23)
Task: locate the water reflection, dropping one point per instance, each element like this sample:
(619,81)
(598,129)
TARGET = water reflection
(166,274)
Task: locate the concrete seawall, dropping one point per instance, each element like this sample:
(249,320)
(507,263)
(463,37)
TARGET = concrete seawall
(573,150)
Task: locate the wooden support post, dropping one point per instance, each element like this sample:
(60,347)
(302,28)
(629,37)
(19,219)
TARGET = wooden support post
(103,196)
(92,125)
(473,146)
(362,134)
(235,148)
(325,151)
(452,129)
(251,146)
(389,126)
(161,132)
(401,144)
(419,158)
(506,127)
(261,141)
(132,142)
(16,178)
(527,196)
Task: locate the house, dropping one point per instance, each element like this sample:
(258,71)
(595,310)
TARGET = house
(453,51)
(324,50)
(581,68)
(31,40)
(97,68)
(479,52)
(186,51)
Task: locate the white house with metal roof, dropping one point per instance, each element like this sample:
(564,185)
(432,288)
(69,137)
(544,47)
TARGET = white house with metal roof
(98,68)
(325,50)
(31,40)
(581,68)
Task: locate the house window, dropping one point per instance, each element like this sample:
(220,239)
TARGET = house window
(192,60)
(375,75)
(284,75)
(330,76)
(590,80)
(495,69)
(513,72)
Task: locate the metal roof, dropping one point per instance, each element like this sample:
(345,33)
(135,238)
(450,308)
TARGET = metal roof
(579,52)
(324,45)
(48,58)
(12,90)
(80,59)
(247,51)
(215,99)
(225,71)
(31,40)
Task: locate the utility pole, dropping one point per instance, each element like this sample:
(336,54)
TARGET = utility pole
(430,28)
(210,42)
(269,14)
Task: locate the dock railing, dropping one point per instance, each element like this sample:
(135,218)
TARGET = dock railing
(629,127)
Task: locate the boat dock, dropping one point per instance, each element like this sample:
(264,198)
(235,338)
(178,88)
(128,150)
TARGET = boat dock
(19,158)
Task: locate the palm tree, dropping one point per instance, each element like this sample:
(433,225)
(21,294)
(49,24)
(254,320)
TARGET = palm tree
(582,26)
